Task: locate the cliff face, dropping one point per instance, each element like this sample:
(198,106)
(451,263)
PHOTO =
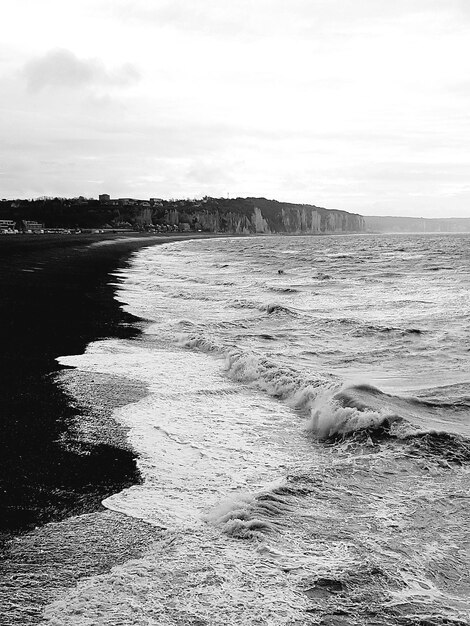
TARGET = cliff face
(224,215)
(209,220)
(254,215)
(283,217)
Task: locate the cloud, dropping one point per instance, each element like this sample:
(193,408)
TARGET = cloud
(265,18)
(60,68)
(210,171)
(344,103)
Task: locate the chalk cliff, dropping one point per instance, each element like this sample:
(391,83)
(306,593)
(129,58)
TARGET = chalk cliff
(254,215)
(224,215)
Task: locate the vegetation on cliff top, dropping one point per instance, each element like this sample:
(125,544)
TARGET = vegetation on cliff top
(206,214)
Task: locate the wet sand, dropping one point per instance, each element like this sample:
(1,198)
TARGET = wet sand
(61,452)
(38,566)
(55,299)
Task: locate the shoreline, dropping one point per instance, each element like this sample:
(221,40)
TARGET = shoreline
(56,299)
(68,534)
(240,499)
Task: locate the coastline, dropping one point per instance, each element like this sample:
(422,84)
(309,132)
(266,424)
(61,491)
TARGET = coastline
(225,461)
(61,451)
(56,299)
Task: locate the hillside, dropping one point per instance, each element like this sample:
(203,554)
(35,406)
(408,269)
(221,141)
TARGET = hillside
(237,215)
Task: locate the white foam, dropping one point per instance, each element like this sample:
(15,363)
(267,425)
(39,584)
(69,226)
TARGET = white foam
(329,418)
(195,578)
(256,511)
(199,436)
(209,451)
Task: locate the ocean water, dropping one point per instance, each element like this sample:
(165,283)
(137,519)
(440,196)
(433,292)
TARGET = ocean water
(305,440)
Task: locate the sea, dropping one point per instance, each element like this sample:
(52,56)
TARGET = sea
(304,441)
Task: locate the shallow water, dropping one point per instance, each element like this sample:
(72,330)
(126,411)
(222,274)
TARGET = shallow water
(305,440)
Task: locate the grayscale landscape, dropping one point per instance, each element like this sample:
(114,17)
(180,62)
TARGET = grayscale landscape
(234,313)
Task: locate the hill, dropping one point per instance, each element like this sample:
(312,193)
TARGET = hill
(225,215)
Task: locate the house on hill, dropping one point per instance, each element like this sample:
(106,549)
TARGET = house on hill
(7,226)
(28,226)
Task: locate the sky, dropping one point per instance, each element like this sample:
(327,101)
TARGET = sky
(360,105)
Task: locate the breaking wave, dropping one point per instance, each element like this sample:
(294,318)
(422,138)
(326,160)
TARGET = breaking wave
(335,416)
(200,342)
(329,418)
(252,515)
(335,411)
(269,308)
(365,331)
(446,447)
(350,508)
(248,516)
(281,382)
(283,289)
(279,309)
(358,329)
(241,303)
(184,295)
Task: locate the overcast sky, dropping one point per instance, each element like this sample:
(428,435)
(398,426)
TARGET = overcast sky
(362,105)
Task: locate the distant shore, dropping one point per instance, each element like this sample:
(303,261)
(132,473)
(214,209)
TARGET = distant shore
(57,298)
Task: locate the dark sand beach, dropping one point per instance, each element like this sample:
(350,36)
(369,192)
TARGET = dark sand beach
(59,456)
(55,299)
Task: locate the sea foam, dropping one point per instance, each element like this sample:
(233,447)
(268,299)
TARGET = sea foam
(265,522)
(329,418)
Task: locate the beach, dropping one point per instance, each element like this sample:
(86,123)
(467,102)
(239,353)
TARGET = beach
(278,428)
(56,297)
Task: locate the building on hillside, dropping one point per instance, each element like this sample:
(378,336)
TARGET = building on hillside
(28,226)
(7,226)
(127,201)
(104,198)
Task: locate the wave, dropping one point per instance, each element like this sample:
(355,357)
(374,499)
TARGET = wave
(269,308)
(279,309)
(282,382)
(367,330)
(454,396)
(200,342)
(331,419)
(252,515)
(283,289)
(421,410)
(364,409)
(279,381)
(446,447)
(186,324)
(371,329)
(244,517)
(241,303)
(185,295)
(335,412)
